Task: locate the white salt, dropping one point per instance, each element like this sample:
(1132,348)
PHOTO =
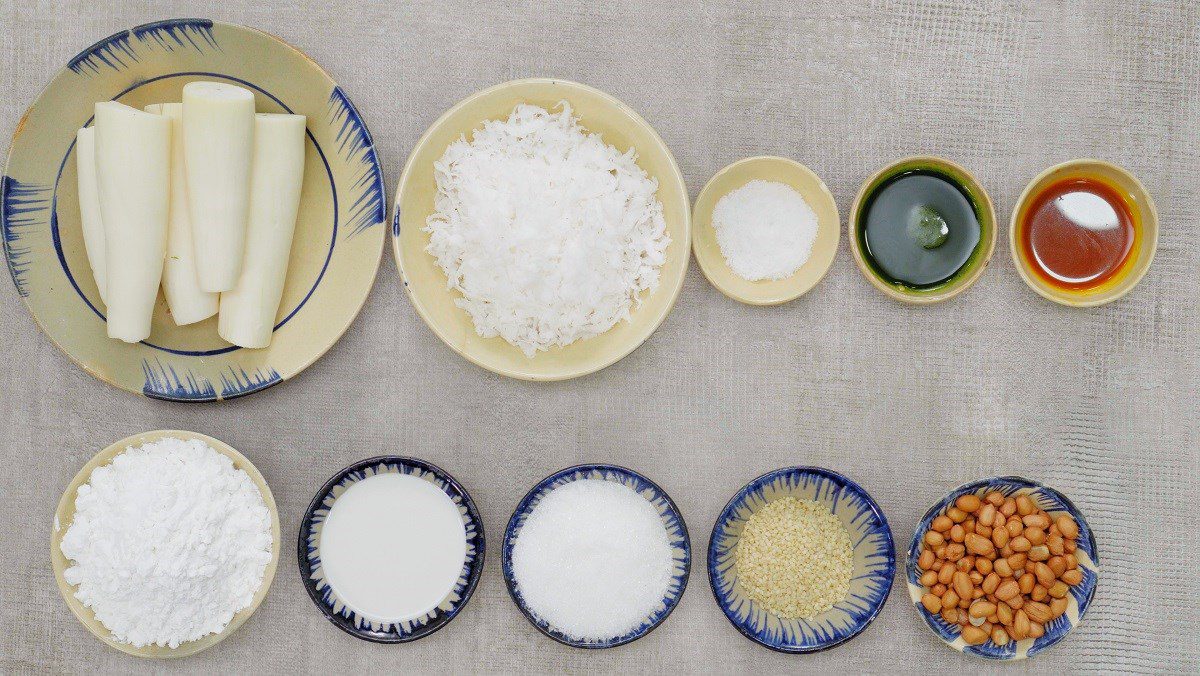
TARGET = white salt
(593,559)
(765,230)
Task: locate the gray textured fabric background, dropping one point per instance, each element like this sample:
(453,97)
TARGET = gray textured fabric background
(909,402)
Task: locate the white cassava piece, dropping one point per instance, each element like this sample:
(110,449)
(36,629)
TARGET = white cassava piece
(549,233)
(168,542)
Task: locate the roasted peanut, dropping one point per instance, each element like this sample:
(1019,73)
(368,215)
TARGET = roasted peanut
(934,539)
(962,584)
(981,608)
(957,533)
(1007,590)
(1039,553)
(967,503)
(1039,593)
(1036,629)
(1058,607)
(925,562)
(1019,544)
(1036,521)
(999,636)
(1008,507)
(1067,526)
(1058,589)
(1036,536)
(977,544)
(1043,574)
(928,578)
(950,599)
(938,589)
(1073,576)
(956,515)
(946,574)
(1025,505)
(933,604)
(1020,625)
(1026,583)
(990,583)
(941,524)
(1002,568)
(984,565)
(974,635)
(1038,612)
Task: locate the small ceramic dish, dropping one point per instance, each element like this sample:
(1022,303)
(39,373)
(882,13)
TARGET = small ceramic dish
(677,533)
(970,271)
(874,561)
(425,282)
(65,515)
(339,231)
(1079,598)
(1145,219)
(344,617)
(708,251)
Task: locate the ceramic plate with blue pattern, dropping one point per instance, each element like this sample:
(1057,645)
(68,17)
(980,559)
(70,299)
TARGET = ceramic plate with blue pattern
(326,597)
(677,536)
(339,231)
(1079,598)
(870,582)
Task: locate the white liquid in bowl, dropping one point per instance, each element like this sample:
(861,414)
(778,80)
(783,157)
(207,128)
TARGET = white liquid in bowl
(392,547)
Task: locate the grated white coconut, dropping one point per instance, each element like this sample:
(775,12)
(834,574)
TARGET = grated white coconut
(549,233)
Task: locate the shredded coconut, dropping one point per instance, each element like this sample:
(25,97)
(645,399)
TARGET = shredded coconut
(593,559)
(765,230)
(168,542)
(549,234)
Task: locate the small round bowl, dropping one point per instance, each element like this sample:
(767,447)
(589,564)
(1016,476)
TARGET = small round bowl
(425,282)
(677,533)
(1145,218)
(336,250)
(970,271)
(308,552)
(874,561)
(708,252)
(65,514)
(1080,598)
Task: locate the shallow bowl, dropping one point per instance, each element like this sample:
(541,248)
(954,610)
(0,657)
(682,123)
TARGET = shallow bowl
(1081,595)
(426,284)
(672,519)
(339,230)
(65,515)
(344,617)
(874,561)
(968,274)
(1145,218)
(708,252)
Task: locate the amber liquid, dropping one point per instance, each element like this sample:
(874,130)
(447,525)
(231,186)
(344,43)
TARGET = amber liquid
(1077,233)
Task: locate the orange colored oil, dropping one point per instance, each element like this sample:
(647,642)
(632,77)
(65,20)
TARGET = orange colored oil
(1077,233)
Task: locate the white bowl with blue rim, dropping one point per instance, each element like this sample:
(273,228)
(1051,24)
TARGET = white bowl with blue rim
(677,536)
(339,232)
(337,611)
(1079,599)
(874,561)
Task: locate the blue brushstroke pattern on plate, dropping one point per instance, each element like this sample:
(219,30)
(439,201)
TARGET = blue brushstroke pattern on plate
(1080,596)
(326,598)
(677,536)
(870,583)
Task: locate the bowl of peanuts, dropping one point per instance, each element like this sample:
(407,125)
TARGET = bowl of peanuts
(1002,568)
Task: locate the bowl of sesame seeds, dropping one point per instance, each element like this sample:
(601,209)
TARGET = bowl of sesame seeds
(801,560)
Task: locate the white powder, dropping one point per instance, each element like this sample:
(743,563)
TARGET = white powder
(168,541)
(593,559)
(549,234)
(765,230)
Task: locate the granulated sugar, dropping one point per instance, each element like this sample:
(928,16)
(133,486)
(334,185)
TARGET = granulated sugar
(765,230)
(593,559)
(168,542)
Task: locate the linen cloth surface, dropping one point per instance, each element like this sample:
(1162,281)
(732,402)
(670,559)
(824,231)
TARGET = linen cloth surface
(909,402)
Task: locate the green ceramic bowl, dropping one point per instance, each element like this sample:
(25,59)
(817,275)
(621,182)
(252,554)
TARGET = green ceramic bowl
(968,274)
(339,232)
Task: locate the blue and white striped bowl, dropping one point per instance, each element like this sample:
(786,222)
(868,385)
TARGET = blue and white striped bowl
(323,595)
(1079,599)
(677,534)
(874,561)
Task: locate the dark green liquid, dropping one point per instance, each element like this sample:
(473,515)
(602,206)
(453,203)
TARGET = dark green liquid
(919,228)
